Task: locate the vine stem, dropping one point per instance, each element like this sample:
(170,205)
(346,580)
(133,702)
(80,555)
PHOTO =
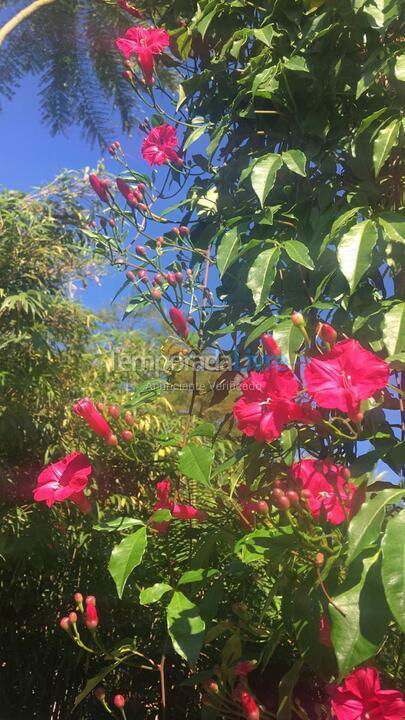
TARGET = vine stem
(325,592)
(20,17)
(163,682)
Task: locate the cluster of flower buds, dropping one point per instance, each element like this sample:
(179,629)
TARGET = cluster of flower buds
(286,494)
(88,610)
(114,148)
(118,700)
(95,416)
(135,196)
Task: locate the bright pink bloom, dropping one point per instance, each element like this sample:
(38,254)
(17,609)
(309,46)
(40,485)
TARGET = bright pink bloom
(158,146)
(344,376)
(331,494)
(119,701)
(249,706)
(179,321)
(100,187)
(360,696)
(188,512)
(145,43)
(270,346)
(268,404)
(64,479)
(324,631)
(91,617)
(86,409)
(124,5)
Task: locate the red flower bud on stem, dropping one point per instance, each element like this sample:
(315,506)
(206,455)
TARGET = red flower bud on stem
(91,617)
(179,321)
(119,701)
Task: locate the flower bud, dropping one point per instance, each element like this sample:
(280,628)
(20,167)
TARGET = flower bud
(297,319)
(114,411)
(127,436)
(141,187)
(65,624)
(90,600)
(142,207)
(160,240)
(158,279)
(184,230)
(91,617)
(179,277)
(319,560)
(327,333)
(119,701)
(156,294)
(271,347)
(127,75)
(211,686)
(112,440)
(140,250)
(73,618)
(143,275)
(78,598)
(171,279)
(130,276)
(262,507)
(100,693)
(129,418)
(179,321)
(176,230)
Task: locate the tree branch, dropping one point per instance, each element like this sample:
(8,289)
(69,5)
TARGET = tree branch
(20,17)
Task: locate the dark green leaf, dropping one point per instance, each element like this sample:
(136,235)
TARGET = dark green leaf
(365,527)
(393,567)
(186,627)
(126,556)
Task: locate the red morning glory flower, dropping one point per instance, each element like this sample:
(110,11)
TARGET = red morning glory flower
(65,479)
(343,377)
(331,494)
(145,43)
(360,696)
(268,404)
(86,409)
(158,146)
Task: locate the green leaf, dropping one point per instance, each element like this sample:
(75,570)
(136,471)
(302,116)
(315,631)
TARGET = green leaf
(261,276)
(263,544)
(93,682)
(394,226)
(286,689)
(295,161)
(394,329)
(119,523)
(194,136)
(160,516)
(203,24)
(205,429)
(358,635)
(196,462)
(354,251)
(365,527)
(186,627)
(383,144)
(192,576)
(289,339)
(228,250)
(393,567)
(264,173)
(126,556)
(265,34)
(154,593)
(287,439)
(136,303)
(296,64)
(399,68)
(298,252)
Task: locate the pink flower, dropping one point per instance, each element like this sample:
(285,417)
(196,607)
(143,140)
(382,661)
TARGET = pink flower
(331,494)
(100,187)
(124,5)
(86,409)
(249,706)
(268,404)
(179,322)
(180,512)
(360,696)
(344,376)
(145,43)
(324,631)
(64,479)
(124,189)
(158,146)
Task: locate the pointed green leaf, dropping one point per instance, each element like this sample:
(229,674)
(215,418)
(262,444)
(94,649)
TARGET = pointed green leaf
(295,161)
(394,329)
(365,527)
(399,68)
(264,173)
(186,627)
(296,64)
(289,338)
(196,462)
(265,34)
(192,576)
(299,252)
(286,689)
(194,135)
(354,251)
(153,593)
(394,226)
(126,556)
(383,144)
(393,567)
(228,250)
(357,635)
(94,681)
(261,276)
